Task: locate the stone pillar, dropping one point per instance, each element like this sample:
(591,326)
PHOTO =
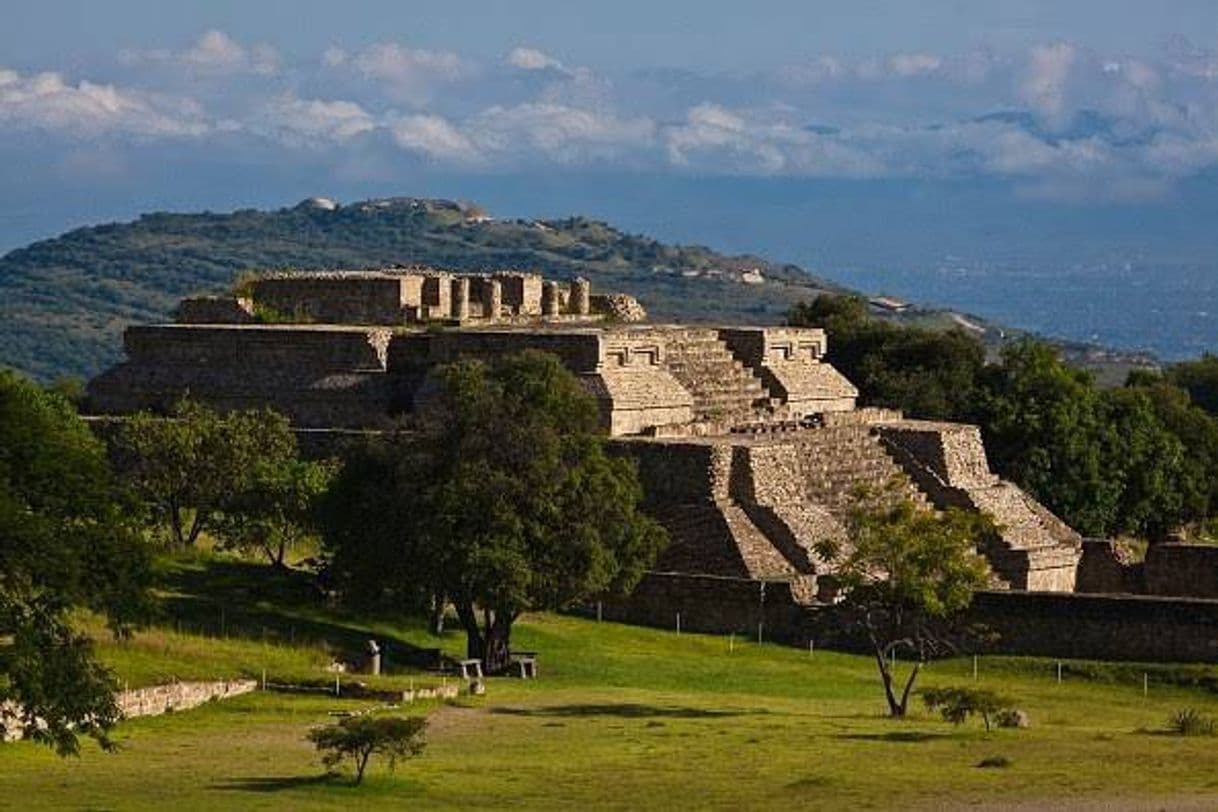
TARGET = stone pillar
(581,296)
(549,298)
(460,301)
(494,298)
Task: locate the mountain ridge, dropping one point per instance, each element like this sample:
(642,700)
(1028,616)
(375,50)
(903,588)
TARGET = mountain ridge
(65,300)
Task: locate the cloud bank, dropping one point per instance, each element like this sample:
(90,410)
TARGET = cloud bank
(1057,118)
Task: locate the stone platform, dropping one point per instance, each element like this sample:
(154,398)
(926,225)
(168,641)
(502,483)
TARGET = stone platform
(749,444)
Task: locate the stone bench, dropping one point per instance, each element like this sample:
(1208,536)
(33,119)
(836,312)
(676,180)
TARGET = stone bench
(524,664)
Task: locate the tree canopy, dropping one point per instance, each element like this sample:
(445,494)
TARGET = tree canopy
(905,574)
(192,465)
(1139,459)
(509,502)
(66,540)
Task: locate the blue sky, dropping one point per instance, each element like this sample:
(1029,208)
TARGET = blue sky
(108,109)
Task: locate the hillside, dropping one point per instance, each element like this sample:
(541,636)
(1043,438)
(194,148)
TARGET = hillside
(64,301)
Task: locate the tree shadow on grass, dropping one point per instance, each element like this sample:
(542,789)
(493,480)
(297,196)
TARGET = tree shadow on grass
(280,783)
(256,602)
(624,710)
(899,736)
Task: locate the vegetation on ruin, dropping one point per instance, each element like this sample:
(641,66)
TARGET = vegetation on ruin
(1138,459)
(502,500)
(622,717)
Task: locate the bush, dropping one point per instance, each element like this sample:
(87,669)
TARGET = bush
(1191,722)
(956,704)
(360,737)
(994,761)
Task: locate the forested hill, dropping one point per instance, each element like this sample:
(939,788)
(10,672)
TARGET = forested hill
(65,301)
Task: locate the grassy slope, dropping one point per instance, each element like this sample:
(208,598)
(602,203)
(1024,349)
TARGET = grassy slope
(622,718)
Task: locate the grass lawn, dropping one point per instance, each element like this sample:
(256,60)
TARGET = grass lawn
(621,718)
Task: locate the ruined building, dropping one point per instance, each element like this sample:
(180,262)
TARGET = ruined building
(750,445)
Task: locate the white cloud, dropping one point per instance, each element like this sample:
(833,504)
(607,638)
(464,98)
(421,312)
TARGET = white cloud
(410,74)
(531,59)
(560,132)
(433,137)
(46,102)
(214,52)
(918,64)
(1044,85)
(715,138)
(312,122)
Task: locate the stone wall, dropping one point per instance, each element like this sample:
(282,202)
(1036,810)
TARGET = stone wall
(712,605)
(215,310)
(319,376)
(1104,569)
(1186,570)
(151,701)
(341,298)
(1102,627)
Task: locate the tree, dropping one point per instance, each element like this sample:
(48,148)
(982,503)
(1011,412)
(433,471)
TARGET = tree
(514,503)
(274,509)
(905,575)
(360,737)
(957,704)
(925,373)
(66,540)
(188,465)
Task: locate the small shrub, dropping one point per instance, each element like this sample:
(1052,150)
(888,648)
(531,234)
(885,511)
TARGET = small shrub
(993,762)
(361,737)
(956,704)
(1191,722)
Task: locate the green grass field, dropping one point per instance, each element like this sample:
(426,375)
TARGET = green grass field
(621,718)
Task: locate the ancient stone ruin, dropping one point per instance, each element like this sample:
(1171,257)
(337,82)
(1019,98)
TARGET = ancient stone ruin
(750,445)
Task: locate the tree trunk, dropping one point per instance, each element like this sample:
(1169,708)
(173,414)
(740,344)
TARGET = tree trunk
(436,622)
(196,526)
(497,655)
(175,525)
(489,641)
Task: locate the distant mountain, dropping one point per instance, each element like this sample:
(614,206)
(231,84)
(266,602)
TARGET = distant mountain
(65,301)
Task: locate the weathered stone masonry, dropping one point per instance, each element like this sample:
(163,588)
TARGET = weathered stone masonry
(749,444)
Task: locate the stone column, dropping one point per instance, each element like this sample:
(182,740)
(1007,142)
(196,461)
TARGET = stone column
(549,298)
(460,302)
(581,296)
(494,298)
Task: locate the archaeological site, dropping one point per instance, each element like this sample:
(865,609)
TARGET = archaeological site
(749,444)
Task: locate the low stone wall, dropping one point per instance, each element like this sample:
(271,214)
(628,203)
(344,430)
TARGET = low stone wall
(151,701)
(711,604)
(1099,627)
(176,696)
(1183,570)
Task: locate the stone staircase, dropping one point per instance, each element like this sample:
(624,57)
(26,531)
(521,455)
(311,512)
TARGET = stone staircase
(719,538)
(838,462)
(724,390)
(1035,549)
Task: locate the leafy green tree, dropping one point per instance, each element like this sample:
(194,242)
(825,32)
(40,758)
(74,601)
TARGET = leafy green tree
(516,506)
(1044,428)
(66,540)
(1200,379)
(187,466)
(925,373)
(359,738)
(906,574)
(274,510)
(957,704)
